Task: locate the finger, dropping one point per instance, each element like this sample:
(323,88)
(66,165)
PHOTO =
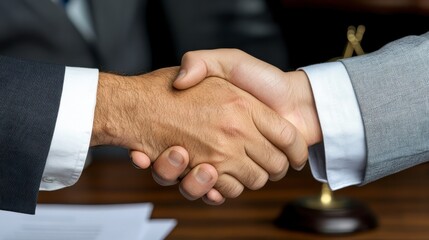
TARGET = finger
(228,186)
(140,159)
(259,149)
(268,157)
(170,165)
(246,171)
(284,135)
(213,197)
(199,181)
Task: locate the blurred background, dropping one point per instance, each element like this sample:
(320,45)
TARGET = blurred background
(137,36)
(132,36)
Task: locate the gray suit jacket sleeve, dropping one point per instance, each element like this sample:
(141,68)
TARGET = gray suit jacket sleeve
(392,89)
(30,95)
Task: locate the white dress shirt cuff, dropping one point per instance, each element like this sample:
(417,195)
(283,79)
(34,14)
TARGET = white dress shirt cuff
(73,128)
(341,159)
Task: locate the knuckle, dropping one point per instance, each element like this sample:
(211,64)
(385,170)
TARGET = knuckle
(219,155)
(235,191)
(187,55)
(258,182)
(277,162)
(280,165)
(304,158)
(288,135)
(230,190)
(301,161)
(236,51)
(241,103)
(235,116)
(281,173)
(231,129)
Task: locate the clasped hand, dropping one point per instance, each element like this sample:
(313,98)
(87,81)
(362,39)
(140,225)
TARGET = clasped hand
(239,122)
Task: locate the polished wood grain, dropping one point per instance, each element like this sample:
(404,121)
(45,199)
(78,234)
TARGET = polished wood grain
(400,201)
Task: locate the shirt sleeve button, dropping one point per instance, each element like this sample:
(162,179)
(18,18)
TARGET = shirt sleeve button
(48,179)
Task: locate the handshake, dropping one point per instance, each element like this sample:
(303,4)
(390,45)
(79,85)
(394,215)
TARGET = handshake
(239,123)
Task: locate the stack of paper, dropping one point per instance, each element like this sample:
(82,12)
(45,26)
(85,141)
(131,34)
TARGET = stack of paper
(85,222)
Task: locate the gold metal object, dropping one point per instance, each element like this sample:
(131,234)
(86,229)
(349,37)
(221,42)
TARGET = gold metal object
(326,195)
(324,213)
(354,37)
(325,201)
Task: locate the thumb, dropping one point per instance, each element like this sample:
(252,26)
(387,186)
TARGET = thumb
(262,80)
(192,71)
(198,65)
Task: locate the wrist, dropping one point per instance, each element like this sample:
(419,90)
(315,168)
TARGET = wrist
(112,105)
(129,107)
(305,115)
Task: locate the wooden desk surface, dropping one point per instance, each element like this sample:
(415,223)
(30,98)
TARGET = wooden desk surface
(401,203)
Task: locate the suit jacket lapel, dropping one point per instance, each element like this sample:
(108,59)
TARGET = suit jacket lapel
(52,15)
(49,23)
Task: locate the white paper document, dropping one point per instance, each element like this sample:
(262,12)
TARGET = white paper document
(85,222)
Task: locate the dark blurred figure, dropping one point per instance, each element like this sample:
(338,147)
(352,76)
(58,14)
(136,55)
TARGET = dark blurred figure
(133,36)
(115,37)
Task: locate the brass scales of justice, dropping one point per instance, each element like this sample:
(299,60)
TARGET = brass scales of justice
(325,213)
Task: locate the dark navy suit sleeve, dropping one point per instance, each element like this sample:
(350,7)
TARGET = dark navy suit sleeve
(30,95)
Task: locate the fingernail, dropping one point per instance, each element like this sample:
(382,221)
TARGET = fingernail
(181,74)
(175,158)
(300,167)
(135,165)
(132,162)
(203,176)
